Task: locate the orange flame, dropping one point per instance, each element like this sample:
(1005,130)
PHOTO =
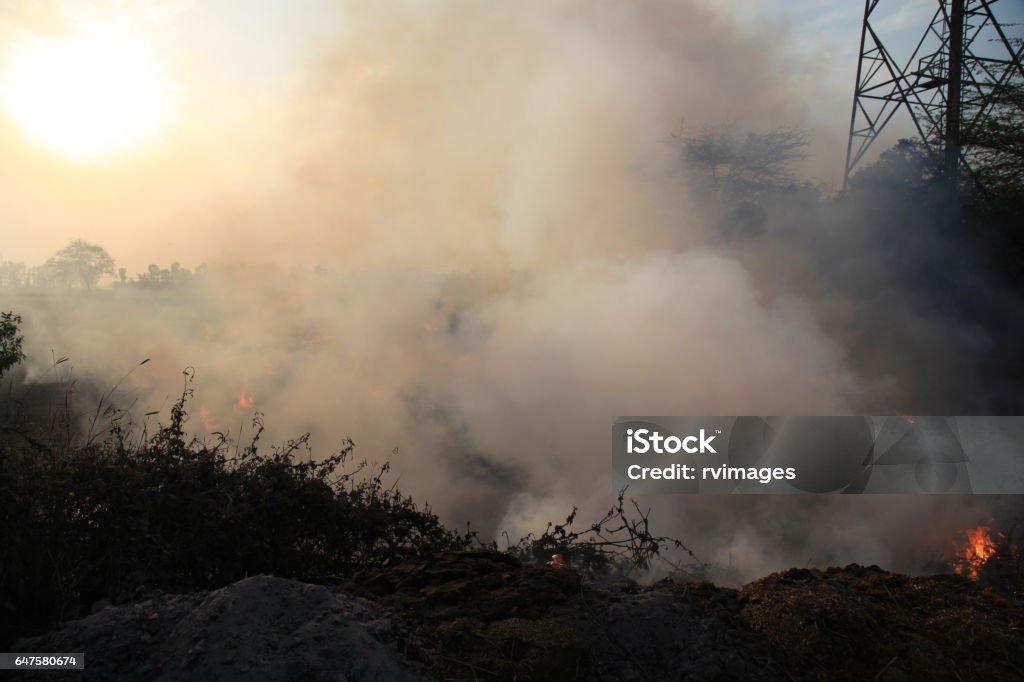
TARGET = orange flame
(209,423)
(557,561)
(977,547)
(244,400)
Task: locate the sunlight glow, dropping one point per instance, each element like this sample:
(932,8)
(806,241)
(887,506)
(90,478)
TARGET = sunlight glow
(86,97)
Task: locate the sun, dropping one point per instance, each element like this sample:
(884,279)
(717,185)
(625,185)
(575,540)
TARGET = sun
(86,97)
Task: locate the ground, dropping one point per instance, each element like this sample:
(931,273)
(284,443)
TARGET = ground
(485,616)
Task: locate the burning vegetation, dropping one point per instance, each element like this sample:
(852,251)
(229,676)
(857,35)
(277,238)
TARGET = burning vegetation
(976,547)
(218,512)
(613,259)
(991,555)
(245,400)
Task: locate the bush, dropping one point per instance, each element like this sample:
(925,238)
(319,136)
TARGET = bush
(114,521)
(10,341)
(618,544)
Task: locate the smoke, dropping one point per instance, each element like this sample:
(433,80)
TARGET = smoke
(512,254)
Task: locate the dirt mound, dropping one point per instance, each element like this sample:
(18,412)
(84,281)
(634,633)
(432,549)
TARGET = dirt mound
(859,623)
(261,628)
(485,616)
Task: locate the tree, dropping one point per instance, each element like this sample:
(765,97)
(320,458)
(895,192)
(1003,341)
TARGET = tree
(995,146)
(745,177)
(79,264)
(747,166)
(995,149)
(10,341)
(12,275)
(906,171)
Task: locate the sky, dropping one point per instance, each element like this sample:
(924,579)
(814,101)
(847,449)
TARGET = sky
(227,70)
(237,76)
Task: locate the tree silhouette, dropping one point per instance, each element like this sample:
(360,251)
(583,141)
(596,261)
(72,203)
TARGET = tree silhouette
(995,146)
(79,264)
(743,166)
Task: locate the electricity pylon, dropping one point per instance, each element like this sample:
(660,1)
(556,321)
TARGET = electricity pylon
(949,84)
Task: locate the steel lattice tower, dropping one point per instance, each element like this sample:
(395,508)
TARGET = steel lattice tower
(948,85)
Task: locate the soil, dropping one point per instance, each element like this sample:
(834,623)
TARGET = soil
(484,616)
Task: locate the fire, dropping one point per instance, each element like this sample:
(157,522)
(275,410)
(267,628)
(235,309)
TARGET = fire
(206,417)
(244,400)
(977,547)
(557,561)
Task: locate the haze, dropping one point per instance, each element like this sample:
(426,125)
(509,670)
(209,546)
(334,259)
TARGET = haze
(460,234)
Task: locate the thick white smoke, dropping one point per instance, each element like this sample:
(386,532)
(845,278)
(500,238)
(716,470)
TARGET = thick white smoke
(512,258)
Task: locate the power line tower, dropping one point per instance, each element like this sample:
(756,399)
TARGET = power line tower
(949,84)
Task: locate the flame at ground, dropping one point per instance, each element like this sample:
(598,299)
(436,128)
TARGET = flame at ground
(976,548)
(244,401)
